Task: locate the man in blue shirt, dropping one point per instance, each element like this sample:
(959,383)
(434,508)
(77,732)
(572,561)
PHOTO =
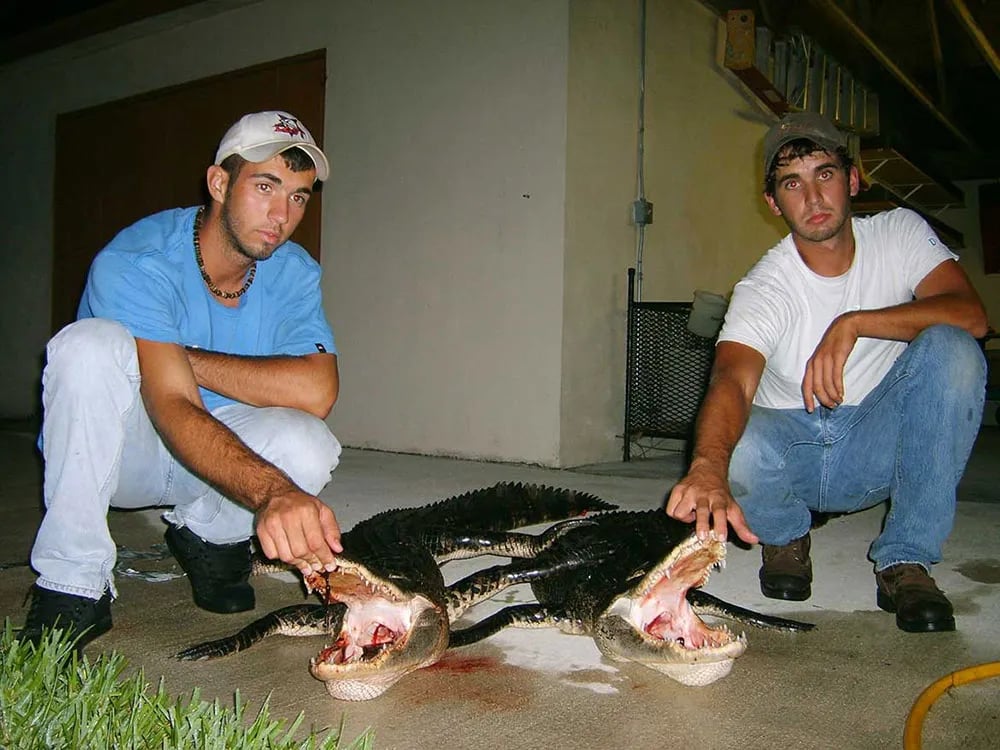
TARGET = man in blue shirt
(197,376)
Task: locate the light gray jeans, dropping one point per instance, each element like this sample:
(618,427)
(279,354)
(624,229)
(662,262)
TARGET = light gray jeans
(102,451)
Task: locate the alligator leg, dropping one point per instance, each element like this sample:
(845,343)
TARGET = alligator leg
(297,619)
(705,603)
(516,616)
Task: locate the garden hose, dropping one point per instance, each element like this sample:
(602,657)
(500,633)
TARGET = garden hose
(915,721)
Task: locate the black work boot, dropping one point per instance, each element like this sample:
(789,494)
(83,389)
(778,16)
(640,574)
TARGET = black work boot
(786,572)
(218,573)
(79,616)
(909,591)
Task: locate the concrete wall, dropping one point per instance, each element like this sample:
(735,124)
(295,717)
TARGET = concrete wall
(971,256)
(600,185)
(704,155)
(445,226)
(702,148)
(476,227)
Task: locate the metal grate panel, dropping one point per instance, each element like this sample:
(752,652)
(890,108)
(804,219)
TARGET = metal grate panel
(667,371)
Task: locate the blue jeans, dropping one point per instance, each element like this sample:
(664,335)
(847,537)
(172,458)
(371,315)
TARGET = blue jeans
(908,441)
(101,451)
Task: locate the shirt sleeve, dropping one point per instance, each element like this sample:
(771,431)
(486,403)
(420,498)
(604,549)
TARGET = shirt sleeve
(755,318)
(920,248)
(304,328)
(137,294)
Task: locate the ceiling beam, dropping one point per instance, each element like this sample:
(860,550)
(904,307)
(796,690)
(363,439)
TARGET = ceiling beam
(847,22)
(82,24)
(972,28)
(942,82)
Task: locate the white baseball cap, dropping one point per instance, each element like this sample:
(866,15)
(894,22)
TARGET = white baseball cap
(260,136)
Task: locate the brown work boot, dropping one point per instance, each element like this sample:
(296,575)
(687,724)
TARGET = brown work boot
(909,591)
(786,572)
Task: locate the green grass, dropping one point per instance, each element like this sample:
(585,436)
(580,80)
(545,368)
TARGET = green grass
(50,698)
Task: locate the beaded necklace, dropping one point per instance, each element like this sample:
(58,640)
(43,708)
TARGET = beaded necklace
(204,274)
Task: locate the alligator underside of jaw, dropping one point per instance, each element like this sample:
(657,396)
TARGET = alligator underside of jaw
(638,598)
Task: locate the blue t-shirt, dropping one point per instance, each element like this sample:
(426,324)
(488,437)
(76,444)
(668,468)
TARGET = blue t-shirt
(147,279)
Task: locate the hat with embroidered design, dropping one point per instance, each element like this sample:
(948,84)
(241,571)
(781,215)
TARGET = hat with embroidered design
(260,136)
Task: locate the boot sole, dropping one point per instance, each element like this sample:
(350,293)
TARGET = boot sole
(886,604)
(96,630)
(225,605)
(789,596)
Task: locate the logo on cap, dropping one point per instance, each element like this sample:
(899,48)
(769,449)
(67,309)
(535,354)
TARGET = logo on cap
(288,125)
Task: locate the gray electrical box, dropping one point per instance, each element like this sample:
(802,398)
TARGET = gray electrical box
(642,212)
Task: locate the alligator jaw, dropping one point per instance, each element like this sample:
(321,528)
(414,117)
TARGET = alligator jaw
(653,624)
(386,634)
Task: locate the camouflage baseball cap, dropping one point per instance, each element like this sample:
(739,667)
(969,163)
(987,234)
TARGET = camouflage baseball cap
(808,125)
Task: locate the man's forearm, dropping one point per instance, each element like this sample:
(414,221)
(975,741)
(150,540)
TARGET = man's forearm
(906,321)
(308,383)
(213,452)
(721,422)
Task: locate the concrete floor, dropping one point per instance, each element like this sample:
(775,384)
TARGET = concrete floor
(848,684)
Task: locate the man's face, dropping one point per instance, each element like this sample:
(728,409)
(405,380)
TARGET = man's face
(263,205)
(812,194)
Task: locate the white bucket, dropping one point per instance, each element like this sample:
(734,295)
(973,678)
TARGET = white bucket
(707,313)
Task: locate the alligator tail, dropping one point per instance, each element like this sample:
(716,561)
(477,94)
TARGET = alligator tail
(705,603)
(517,616)
(520,615)
(488,582)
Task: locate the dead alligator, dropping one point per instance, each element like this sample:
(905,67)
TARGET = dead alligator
(638,603)
(386,606)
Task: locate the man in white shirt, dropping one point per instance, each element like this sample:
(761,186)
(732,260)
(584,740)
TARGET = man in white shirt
(847,373)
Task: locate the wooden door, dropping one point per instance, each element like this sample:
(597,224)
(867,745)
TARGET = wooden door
(118,162)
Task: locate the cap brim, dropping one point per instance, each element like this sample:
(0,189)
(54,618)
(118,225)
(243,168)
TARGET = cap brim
(825,143)
(269,150)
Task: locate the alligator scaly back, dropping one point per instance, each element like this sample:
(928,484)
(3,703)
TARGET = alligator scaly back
(505,505)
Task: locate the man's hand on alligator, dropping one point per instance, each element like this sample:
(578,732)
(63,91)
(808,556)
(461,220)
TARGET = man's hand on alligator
(299,530)
(703,498)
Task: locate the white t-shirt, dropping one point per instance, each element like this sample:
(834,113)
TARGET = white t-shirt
(782,309)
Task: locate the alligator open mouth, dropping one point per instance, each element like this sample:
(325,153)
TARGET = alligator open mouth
(654,624)
(386,633)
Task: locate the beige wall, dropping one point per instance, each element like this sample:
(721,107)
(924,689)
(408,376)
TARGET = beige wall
(702,145)
(704,148)
(444,264)
(476,227)
(600,186)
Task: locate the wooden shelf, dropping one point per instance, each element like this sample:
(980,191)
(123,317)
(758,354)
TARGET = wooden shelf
(890,180)
(892,170)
